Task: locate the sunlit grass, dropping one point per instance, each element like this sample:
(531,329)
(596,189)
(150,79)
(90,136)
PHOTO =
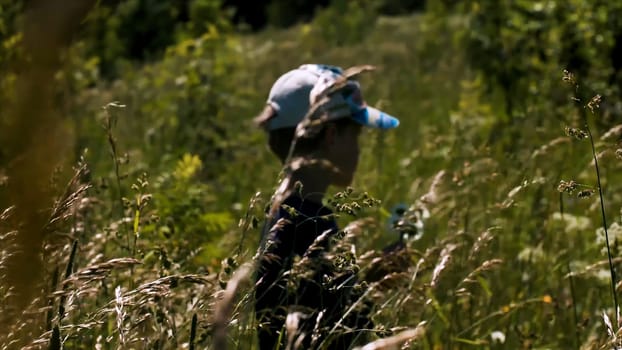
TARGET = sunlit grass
(152,245)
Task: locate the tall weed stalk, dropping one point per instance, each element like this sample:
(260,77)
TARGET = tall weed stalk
(109,124)
(571,281)
(593,104)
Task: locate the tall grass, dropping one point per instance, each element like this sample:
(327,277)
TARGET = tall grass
(500,262)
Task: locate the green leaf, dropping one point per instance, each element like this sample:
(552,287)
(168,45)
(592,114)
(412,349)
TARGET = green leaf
(485,286)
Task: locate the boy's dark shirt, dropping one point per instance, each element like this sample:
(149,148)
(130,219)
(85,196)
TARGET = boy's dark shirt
(306,220)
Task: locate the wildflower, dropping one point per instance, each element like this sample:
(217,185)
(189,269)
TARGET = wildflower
(497,337)
(573,223)
(614,233)
(187,167)
(547,299)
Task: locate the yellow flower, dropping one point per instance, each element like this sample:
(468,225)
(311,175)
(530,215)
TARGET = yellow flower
(187,167)
(547,299)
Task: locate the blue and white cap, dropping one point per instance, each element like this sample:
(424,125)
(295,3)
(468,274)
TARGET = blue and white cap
(327,88)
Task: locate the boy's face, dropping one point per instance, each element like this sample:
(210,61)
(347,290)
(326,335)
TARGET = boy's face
(343,153)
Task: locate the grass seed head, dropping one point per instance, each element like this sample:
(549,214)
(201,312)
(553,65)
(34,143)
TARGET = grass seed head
(585,193)
(576,133)
(569,78)
(567,186)
(594,103)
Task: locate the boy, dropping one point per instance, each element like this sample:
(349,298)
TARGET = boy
(313,117)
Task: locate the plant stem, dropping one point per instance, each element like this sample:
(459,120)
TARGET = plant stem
(68,271)
(193,331)
(602,209)
(570,279)
(109,126)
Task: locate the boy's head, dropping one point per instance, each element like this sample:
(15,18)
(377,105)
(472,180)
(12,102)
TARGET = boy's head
(323,108)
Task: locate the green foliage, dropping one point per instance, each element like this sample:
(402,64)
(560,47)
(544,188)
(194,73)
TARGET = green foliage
(10,52)
(400,7)
(344,22)
(123,31)
(206,13)
(512,43)
(9,35)
(177,104)
(189,224)
(491,143)
(284,13)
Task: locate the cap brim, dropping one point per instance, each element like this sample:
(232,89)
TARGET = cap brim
(263,119)
(375,118)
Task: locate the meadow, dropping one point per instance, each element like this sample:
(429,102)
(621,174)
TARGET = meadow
(133,192)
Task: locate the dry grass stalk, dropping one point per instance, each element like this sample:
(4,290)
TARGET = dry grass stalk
(224,306)
(162,286)
(44,339)
(615,131)
(391,279)
(121,315)
(6,213)
(124,306)
(73,194)
(444,261)
(431,197)
(544,149)
(263,247)
(481,242)
(485,266)
(395,342)
(292,325)
(100,271)
(8,245)
(355,228)
(593,268)
(143,295)
(63,209)
(312,260)
(316,328)
(27,324)
(422,265)
(397,261)
(316,248)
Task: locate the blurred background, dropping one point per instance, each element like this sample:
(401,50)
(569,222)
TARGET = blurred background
(145,107)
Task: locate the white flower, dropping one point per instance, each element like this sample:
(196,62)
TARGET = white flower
(573,223)
(497,337)
(614,232)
